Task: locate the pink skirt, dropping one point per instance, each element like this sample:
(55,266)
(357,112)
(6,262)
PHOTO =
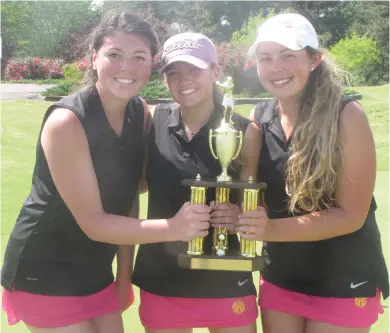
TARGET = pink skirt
(161,312)
(359,312)
(58,311)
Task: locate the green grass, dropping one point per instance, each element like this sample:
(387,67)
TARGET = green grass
(21,120)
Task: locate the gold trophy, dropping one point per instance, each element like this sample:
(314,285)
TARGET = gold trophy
(228,143)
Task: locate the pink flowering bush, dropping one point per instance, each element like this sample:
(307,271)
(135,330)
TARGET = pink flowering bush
(234,62)
(231,59)
(33,69)
(82,64)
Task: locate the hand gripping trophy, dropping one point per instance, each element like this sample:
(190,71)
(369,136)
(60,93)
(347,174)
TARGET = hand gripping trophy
(227,143)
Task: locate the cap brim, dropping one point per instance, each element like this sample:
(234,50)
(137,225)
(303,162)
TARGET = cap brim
(285,41)
(188,59)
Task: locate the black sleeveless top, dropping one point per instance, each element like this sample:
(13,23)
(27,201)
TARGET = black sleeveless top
(346,266)
(47,252)
(171,158)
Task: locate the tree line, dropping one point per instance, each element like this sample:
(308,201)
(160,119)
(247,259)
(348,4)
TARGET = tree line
(59,28)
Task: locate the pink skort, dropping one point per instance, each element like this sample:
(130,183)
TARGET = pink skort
(345,312)
(161,312)
(58,311)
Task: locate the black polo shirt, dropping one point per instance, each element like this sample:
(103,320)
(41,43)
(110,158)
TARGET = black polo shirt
(47,252)
(331,267)
(172,158)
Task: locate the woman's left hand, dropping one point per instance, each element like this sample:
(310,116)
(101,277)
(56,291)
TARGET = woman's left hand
(225,215)
(252,224)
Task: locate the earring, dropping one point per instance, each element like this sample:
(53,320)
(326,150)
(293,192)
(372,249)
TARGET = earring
(313,68)
(94,66)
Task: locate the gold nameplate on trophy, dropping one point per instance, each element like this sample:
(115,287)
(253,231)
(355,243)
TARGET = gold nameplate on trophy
(228,143)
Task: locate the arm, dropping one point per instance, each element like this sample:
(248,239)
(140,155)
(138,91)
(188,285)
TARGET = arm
(125,253)
(250,152)
(149,112)
(251,116)
(355,186)
(66,149)
(125,260)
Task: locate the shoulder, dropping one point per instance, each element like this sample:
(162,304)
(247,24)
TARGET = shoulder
(263,111)
(253,132)
(62,120)
(353,116)
(62,128)
(80,102)
(355,128)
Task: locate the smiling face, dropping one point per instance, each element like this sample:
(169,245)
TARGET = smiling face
(283,72)
(189,85)
(123,64)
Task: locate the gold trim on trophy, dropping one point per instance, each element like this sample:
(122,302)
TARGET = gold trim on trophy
(198,196)
(250,200)
(220,234)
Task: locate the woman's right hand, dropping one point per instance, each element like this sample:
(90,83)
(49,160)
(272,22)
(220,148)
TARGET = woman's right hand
(190,222)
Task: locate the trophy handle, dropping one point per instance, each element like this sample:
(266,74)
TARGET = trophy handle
(211,144)
(239,136)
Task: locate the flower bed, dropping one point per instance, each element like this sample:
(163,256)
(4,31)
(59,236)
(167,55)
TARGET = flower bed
(33,69)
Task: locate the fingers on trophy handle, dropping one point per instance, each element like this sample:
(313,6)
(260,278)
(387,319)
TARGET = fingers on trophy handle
(239,137)
(211,135)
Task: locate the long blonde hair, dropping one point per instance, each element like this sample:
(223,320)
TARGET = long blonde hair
(316,159)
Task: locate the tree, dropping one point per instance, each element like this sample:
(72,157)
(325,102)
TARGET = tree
(148,10)
(36,27)
(371,19)
(13,26)
(248,32)
(50,22)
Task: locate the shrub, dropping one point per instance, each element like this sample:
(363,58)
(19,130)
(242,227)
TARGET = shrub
(72,72)
(33,68)
(155,89)
(360,57)
(64,88)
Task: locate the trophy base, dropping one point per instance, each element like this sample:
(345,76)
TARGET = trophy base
(225,263)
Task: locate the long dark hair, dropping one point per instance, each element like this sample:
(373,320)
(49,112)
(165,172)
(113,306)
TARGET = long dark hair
(113,23)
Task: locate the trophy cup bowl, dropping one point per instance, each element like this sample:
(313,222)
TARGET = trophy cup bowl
(225,147)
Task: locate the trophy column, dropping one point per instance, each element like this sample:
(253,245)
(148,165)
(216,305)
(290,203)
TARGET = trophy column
(248,247)
(220,234)
(198,196)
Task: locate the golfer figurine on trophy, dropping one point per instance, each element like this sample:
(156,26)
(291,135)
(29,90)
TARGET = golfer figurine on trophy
(227,143)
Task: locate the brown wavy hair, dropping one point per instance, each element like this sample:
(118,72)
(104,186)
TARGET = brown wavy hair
(316,159)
